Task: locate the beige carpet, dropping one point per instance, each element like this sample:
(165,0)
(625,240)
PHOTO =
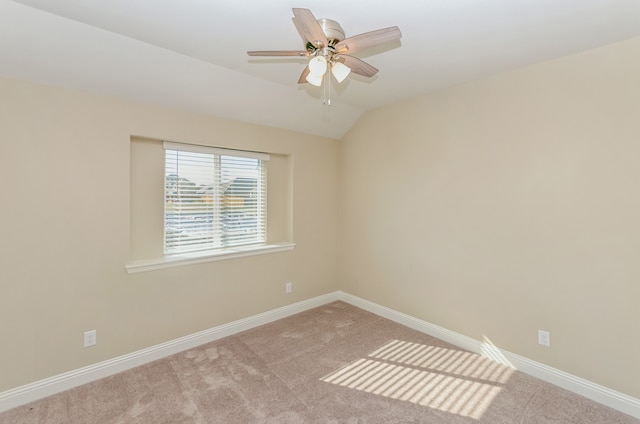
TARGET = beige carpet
(333,364)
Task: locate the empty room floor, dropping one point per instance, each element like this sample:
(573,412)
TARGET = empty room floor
(332,364)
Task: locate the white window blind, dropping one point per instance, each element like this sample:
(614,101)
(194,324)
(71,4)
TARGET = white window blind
(214,198)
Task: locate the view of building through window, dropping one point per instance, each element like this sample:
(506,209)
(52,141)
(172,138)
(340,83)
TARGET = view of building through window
(213,201)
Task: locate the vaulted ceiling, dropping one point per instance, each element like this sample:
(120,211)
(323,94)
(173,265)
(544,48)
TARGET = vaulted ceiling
(191,54)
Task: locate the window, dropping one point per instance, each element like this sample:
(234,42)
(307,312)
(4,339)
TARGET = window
(214,198)
(197,227)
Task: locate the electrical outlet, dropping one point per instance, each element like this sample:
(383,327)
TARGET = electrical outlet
(544,338)
(288,287)
(90,338)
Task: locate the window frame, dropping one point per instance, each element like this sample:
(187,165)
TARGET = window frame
(222,168)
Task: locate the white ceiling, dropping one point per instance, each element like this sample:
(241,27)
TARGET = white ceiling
(191,54)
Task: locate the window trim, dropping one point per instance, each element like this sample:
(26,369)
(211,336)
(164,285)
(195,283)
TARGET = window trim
(170,261)
(199,148)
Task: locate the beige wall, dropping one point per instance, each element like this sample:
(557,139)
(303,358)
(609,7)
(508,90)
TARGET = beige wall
(508,205)
(493,209)
(65,217)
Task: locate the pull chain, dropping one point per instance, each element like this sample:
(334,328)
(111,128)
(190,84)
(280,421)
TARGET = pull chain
(327,89)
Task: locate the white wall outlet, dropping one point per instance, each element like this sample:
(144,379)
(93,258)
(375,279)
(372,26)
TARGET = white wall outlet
(90,338)
(288,287)
(544,338)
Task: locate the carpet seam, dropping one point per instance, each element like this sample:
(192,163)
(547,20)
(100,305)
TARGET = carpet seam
(183,389)
(528,404)
(275,373)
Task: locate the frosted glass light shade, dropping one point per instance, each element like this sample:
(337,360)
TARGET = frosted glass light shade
(318,65)
(340,71)
(314,79)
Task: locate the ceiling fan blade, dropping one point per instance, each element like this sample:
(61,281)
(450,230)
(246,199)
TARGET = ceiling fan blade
(368,39)
(358,66)
(303,76)
(309,27)
(278,53)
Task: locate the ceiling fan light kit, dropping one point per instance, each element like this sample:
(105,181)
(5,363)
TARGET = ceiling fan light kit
(315,79)
(318,65)
(340,71)
(327,48)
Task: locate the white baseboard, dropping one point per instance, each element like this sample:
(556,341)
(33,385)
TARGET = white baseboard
(56,384)
(49,386)
(611,398)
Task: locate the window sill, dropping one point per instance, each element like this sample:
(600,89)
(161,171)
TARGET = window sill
(201,257)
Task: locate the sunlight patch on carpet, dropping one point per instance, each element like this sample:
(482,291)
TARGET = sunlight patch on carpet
(449,380)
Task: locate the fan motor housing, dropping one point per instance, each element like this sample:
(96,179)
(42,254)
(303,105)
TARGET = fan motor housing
(332,30)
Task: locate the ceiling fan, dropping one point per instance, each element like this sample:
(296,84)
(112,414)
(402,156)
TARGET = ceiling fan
(328,49)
